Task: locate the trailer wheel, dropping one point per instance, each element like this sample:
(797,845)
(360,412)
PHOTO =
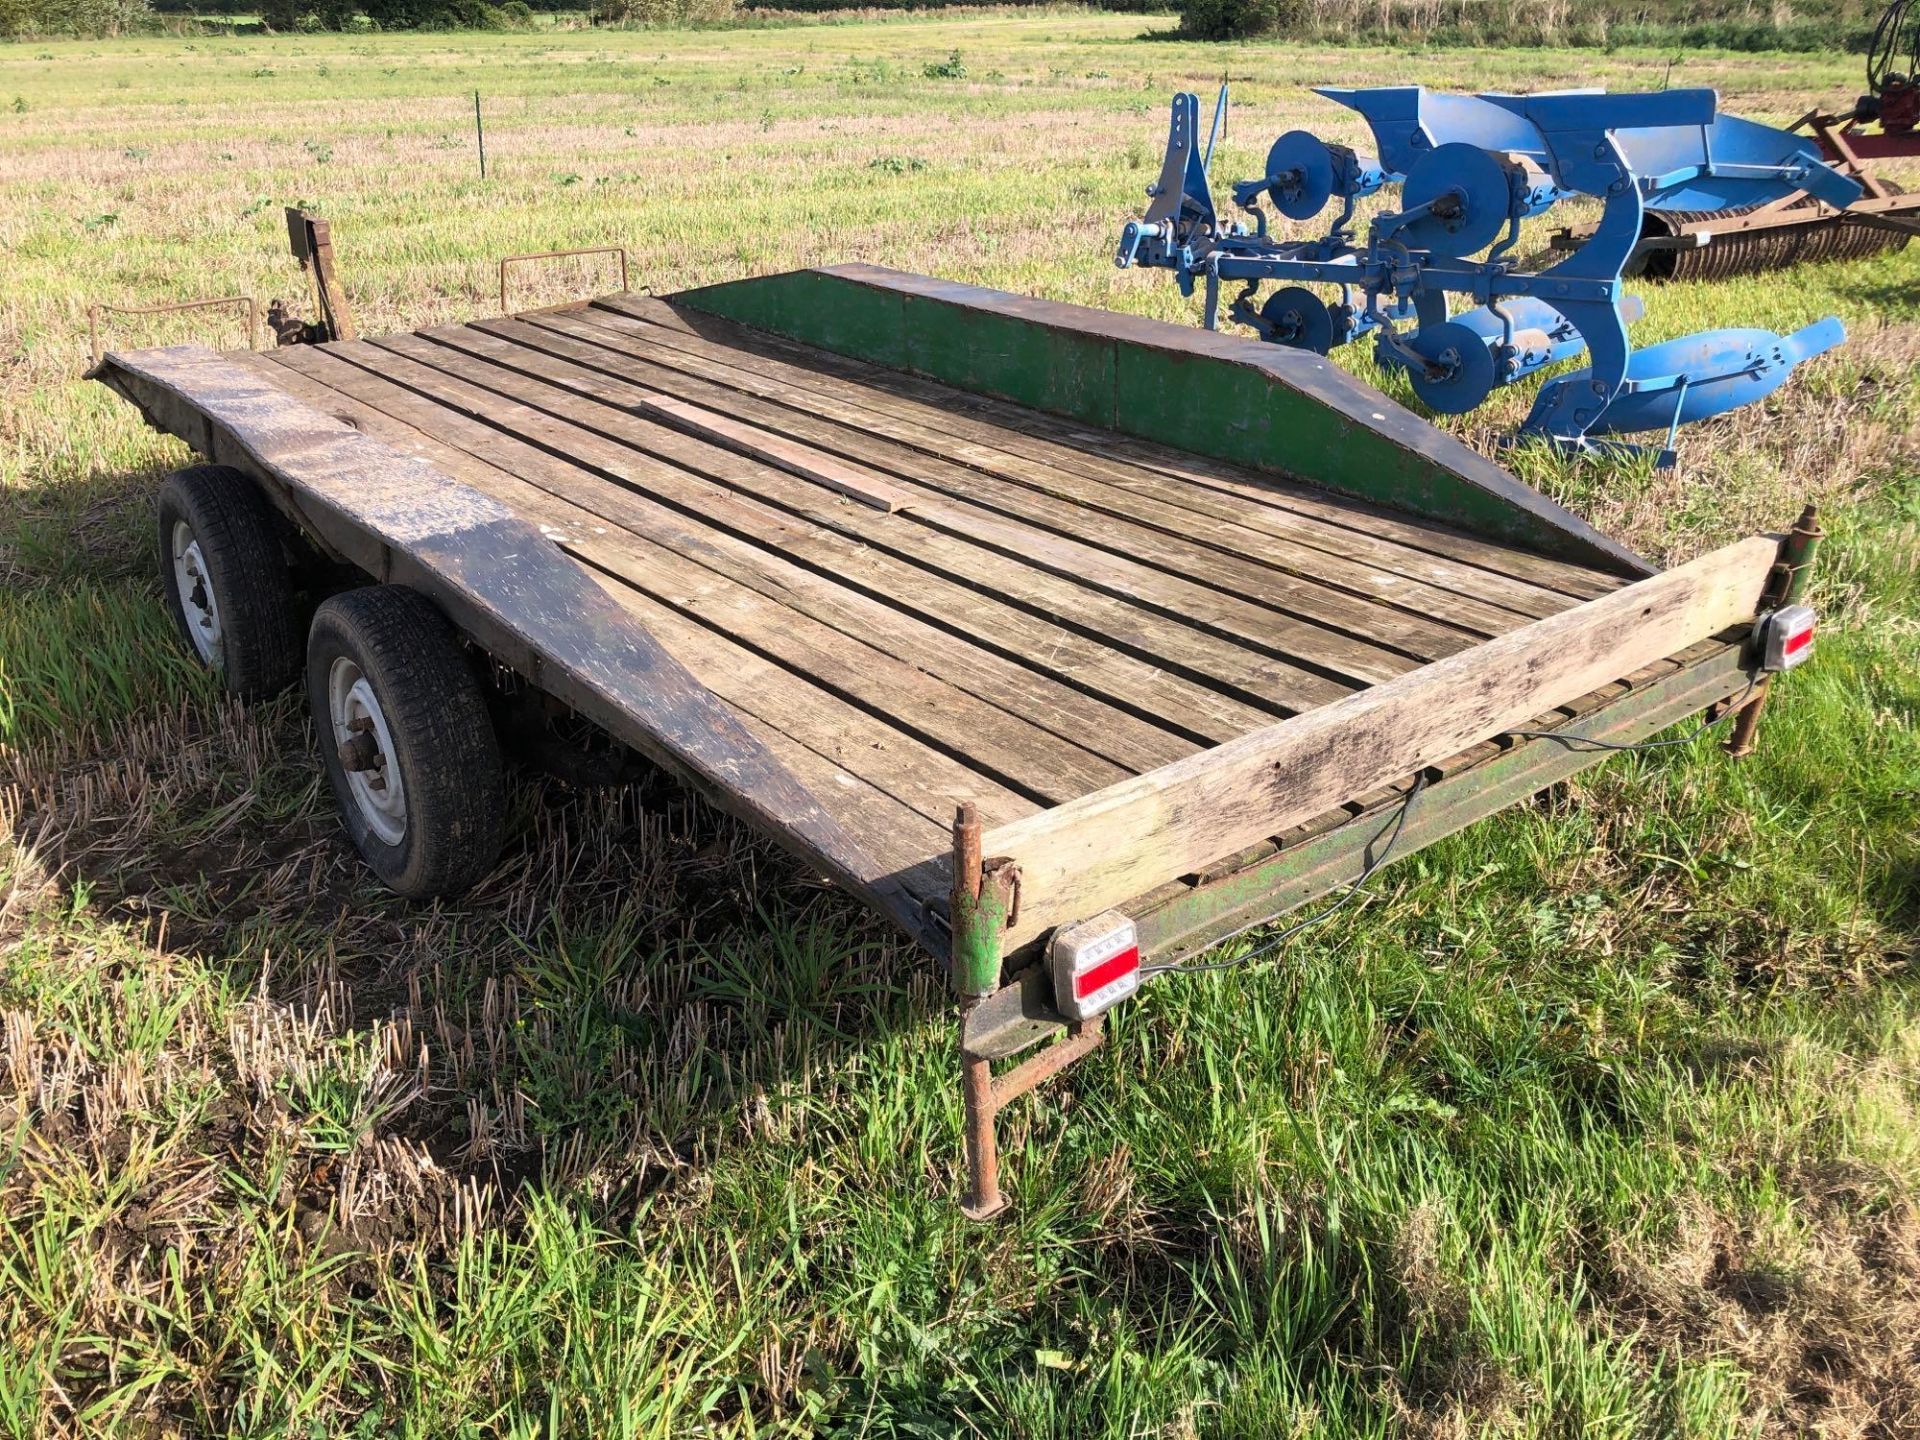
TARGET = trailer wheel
(407,742)
(226,580)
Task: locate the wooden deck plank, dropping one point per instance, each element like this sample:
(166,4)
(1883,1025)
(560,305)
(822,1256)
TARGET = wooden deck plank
(1196,553)
(898,831)
(603,402)
(803,460)
(915,848)
(752,542)
(638,452)
(1009,750)
(996,748)
(858,743)
(1145,517)
(1279,411)
(1273,537)
(1366,522)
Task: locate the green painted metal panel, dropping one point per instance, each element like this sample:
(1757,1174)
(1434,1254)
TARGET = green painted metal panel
(1248,419)
(816,307)
(979,923)
(1058,371)
(1316,866)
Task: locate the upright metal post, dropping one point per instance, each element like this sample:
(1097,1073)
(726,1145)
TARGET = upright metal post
(982,901)
(1786,586)
(984,1199)
(1799,553)
(479,135)
(979,905)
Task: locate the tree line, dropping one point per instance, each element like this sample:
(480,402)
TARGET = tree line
(1839,25)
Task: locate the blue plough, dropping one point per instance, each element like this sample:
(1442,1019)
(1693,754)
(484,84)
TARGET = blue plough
(1471,169)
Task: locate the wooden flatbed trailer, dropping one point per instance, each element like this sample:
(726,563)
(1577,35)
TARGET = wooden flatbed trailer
(1009,616)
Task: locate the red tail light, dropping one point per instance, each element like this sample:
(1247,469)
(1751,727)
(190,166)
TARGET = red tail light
(1785,637)
(1096,964)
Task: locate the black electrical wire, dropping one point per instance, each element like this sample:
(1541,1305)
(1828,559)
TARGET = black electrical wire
(1586,744)
(1197,967)
(1572,742)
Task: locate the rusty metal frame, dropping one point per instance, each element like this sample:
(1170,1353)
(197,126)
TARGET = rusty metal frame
(95,311)
(506,260)
(1848,141)
(986,1094)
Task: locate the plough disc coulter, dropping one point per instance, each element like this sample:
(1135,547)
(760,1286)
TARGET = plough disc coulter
(1470,169)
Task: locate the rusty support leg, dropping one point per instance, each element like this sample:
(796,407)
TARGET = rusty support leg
(1740,739)
(986,1097)
(338,314)
(979,905)
(984,1199)
(1787,587)
(1800,551)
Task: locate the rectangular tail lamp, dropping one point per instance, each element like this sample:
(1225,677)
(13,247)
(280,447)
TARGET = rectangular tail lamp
(1096,965)
(1784,637)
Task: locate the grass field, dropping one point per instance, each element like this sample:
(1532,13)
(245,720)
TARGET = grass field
(1596,1120)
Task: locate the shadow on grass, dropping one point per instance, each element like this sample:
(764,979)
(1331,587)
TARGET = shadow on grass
(630,975)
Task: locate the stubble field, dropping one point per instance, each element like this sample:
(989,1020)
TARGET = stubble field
(1597,1119)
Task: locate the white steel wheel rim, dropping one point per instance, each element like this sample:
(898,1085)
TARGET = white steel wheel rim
(353,710)
(195,588)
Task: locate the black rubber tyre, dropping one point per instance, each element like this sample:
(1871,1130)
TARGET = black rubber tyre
(224,571)
(383,665)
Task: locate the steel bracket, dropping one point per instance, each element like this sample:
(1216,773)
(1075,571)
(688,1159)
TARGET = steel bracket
(1786,585)
(986,1095)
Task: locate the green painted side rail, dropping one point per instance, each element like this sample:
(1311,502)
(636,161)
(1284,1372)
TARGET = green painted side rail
(1214,395)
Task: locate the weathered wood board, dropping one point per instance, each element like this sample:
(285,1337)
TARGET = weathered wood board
(1077,859)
